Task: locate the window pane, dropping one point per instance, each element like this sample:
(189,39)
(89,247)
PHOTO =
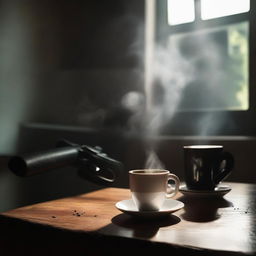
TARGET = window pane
(181,11)
(218,8)
(215,65)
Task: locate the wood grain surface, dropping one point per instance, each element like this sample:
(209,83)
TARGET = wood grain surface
(209,226)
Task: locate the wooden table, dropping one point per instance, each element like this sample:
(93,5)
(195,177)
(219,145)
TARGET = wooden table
(90,224)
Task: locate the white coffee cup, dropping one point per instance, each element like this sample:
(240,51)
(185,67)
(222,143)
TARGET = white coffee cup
(150,188)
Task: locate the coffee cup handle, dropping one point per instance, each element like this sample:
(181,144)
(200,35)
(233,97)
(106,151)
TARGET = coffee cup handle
(228,167)
(170,190)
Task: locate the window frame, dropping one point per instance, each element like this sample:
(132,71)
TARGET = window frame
(233,122)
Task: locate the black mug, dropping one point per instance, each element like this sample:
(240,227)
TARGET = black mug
(206,165)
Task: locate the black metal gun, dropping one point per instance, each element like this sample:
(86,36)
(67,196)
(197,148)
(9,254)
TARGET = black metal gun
(91,162)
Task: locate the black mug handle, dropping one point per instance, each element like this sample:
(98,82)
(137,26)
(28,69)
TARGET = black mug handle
(225,156)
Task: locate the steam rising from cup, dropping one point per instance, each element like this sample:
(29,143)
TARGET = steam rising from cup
(153,161)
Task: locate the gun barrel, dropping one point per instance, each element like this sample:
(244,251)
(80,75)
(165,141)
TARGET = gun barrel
(35,163)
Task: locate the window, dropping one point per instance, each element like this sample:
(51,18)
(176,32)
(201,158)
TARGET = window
(177,14)
(221,8)
(222,51)
(202,64)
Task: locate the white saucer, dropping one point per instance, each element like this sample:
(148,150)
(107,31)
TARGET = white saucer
(219,191)
(169,206)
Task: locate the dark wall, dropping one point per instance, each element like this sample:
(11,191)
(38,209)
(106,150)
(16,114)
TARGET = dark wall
(95,51)
(61,60)
(63,63)
(78,34)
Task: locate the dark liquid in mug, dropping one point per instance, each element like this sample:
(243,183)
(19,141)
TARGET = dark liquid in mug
(149,171)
